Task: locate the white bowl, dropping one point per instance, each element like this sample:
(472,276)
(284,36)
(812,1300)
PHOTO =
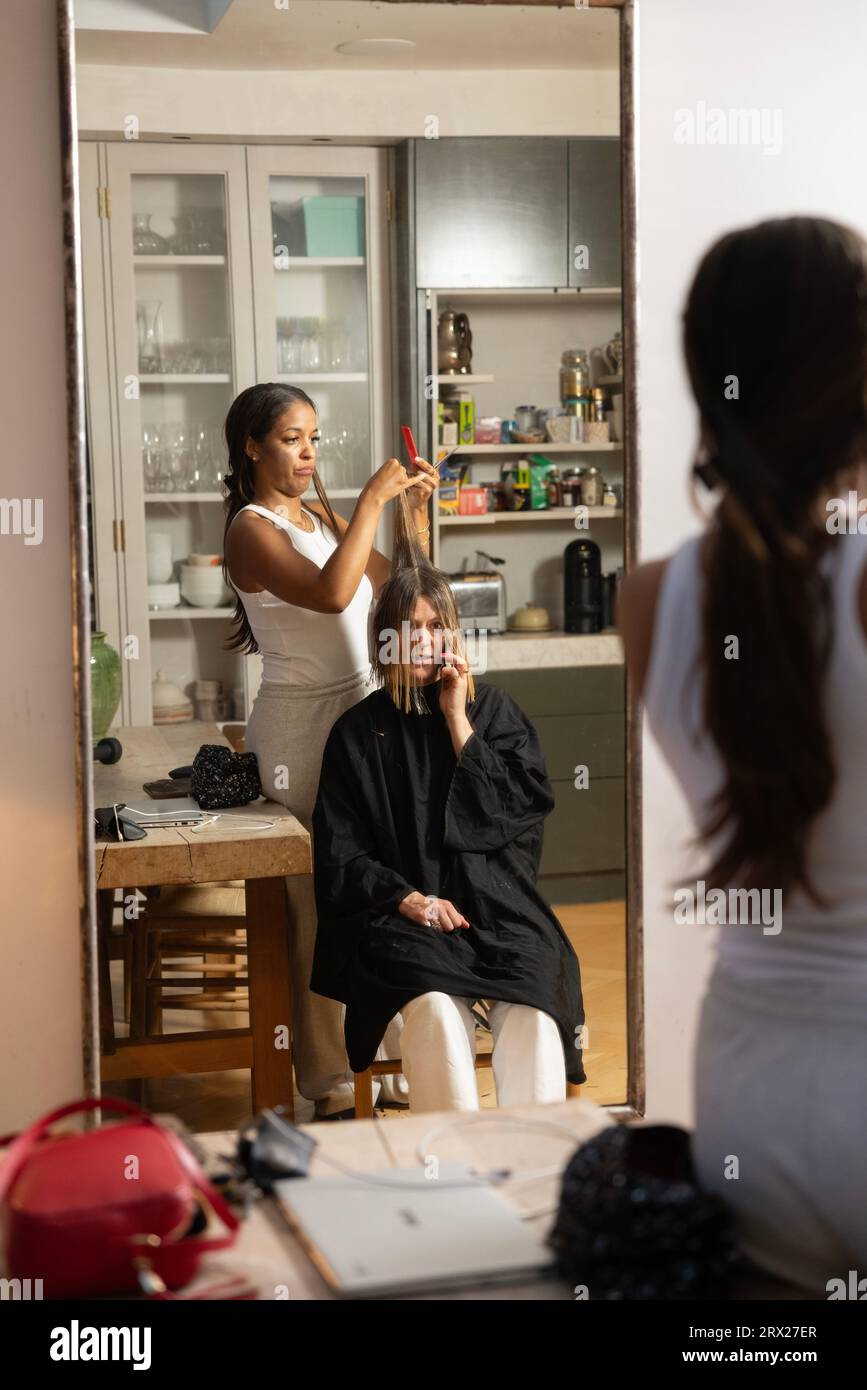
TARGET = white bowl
(164,595)
(203,586)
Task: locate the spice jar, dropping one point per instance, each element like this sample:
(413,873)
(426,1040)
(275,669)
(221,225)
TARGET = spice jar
(570,487)
(521,487)
(574,376)
(555,490)
(591,488)
(609,496)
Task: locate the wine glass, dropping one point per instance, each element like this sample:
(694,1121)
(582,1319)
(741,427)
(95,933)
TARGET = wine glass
(217,466)
(200,468)
(151,459)
(178,459)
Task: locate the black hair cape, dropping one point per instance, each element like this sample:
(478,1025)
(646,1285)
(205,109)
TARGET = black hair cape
(397,811)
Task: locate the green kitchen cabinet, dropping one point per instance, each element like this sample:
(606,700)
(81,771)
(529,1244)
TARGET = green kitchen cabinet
(579,713)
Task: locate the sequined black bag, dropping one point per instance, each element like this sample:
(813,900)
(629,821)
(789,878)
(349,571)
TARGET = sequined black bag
(221,777)
(633,1224)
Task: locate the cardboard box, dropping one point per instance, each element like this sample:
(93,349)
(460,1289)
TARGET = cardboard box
(472,501)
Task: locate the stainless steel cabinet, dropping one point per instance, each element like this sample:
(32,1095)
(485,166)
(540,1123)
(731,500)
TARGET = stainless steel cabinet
(491,213)
(594,212)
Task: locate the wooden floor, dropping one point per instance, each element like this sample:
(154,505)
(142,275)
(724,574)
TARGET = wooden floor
(221,1100)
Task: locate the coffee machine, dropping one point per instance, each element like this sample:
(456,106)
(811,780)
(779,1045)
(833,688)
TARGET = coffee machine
(582,582)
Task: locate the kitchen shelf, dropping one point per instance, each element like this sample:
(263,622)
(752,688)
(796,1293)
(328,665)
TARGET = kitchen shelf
(183,497)
(324,377)
(573,297)
(182,613)
(540,514)
(161,262)
(182,378)
(468,379)
(545,448)
(316,262)
(171,497)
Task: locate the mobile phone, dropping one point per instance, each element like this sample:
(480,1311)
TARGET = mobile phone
(409,445)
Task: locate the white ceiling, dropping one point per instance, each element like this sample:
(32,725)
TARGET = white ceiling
(304,34)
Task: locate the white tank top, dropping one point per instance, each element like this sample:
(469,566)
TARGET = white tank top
(300,647)
(813,943)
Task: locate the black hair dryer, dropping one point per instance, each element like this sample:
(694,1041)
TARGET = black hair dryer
(582,582)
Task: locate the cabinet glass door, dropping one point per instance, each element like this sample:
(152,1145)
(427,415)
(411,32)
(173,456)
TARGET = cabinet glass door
(183,331)
(319,290)
(184,350)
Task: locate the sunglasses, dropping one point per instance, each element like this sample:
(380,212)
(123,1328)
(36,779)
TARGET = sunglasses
(114,826)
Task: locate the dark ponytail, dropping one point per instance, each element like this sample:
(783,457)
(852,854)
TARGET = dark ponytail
(252,415)
(775,339)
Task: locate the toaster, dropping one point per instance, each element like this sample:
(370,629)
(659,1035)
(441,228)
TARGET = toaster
(480,598)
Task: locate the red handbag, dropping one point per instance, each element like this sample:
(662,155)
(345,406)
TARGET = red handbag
(119,1209)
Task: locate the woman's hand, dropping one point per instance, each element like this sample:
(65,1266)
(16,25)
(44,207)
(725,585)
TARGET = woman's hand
(390,480)
(454,689)
(439,913)
(428,483)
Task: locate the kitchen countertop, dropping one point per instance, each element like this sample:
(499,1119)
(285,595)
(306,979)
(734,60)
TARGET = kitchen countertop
(517,651)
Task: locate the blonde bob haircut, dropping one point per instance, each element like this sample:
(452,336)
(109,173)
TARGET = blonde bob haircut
(413,577)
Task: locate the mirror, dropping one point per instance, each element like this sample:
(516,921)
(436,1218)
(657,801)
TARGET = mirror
(418,215)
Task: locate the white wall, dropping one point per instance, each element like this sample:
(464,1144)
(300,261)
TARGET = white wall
(808,62)
(377,105)
(40,1019)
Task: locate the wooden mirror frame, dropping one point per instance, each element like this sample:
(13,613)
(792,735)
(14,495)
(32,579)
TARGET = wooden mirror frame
(77,471)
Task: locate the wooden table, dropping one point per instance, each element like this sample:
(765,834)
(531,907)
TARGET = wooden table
(181,855)
(270,1257)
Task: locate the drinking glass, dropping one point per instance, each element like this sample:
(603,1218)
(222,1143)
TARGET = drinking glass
(217,465)
(178,459)
(201,468)
(149,324)
(151,457)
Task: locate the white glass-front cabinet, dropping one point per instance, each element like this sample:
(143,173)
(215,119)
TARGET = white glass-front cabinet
(319,275)
(185,248)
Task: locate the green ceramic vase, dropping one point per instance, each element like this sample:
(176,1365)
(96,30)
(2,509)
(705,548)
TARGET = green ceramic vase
(104,683)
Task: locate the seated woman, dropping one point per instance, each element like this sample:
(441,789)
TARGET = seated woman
(427,833)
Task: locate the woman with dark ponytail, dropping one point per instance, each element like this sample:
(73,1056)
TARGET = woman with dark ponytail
(305,580)
(750,647)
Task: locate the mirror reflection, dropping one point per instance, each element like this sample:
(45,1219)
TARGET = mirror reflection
(359,492)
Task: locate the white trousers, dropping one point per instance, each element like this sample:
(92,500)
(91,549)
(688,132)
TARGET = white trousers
(438,1048)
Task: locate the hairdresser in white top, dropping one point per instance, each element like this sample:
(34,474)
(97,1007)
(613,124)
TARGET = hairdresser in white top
(305,580)
(750,644)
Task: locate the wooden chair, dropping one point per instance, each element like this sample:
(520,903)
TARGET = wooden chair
(187,938)
(195,931)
